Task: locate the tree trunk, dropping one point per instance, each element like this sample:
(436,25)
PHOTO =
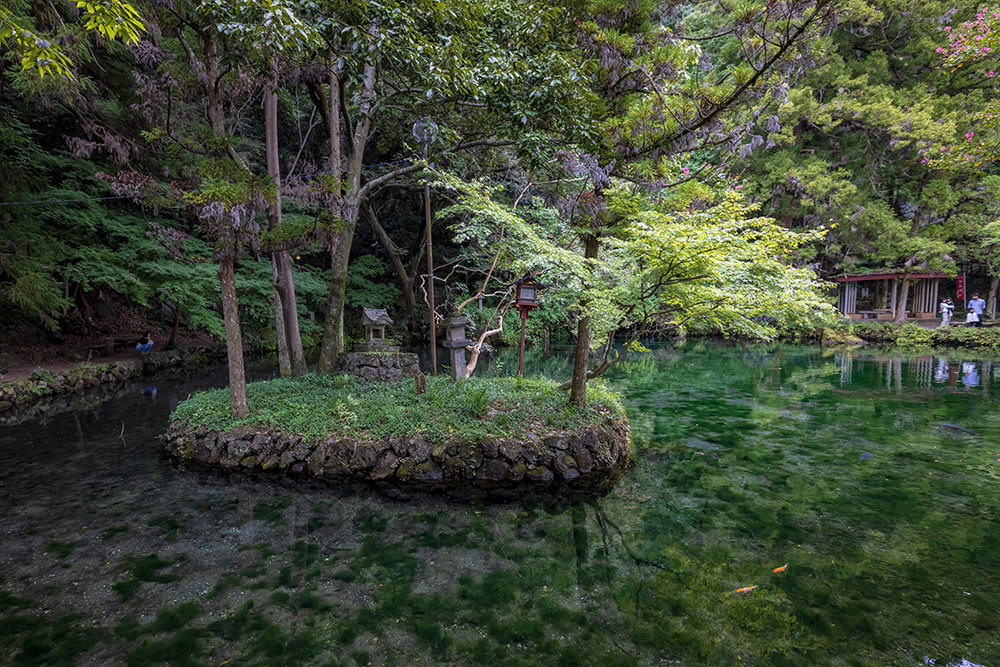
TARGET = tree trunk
(578,385)
(291,359)
(402,275)
(904,291)
(234,338)
(290,308)
(280,340)
(173,329)
(333,324)
(991,300)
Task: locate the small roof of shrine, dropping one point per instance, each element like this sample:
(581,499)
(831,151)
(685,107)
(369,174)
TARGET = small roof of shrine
(374,316)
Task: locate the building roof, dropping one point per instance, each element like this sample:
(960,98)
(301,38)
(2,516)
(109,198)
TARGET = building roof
(887,276)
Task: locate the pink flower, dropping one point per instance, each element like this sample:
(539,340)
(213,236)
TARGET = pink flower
(738,187)
(969,135)
(990,73)
(947,27)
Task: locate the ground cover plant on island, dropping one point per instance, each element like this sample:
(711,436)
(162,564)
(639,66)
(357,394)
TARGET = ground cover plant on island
(321,406)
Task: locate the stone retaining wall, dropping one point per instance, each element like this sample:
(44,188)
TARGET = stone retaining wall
(385,366)
(81,378)
(590,459)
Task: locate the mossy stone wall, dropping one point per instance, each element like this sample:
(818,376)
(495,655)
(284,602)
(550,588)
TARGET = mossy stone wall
(590,458)
(86,376)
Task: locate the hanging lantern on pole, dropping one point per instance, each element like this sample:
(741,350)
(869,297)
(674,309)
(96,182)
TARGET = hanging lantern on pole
(527,300)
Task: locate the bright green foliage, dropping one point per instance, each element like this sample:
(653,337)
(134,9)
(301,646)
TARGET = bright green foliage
(270,25)
(717,269)
(720,268)
(533,239)
(511,63)
(112,19)
(320,406)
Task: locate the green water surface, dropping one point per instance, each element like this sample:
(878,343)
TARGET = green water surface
(746,458)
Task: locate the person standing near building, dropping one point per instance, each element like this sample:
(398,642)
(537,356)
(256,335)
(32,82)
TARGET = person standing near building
(978,305)
(946,309)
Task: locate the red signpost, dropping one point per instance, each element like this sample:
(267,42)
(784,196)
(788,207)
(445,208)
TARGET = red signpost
(960,287)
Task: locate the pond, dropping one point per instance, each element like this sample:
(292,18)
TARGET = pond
(853,497)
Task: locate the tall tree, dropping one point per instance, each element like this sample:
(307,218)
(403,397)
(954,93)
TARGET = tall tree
(487,72)
(858,145)
(718,268)
(663,97)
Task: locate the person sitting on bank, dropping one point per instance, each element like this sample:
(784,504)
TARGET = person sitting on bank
(971,318)
(144,344)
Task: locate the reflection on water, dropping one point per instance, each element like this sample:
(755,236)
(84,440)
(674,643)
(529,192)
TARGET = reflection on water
(922,371)
(747,458)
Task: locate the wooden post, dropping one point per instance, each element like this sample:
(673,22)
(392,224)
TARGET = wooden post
(524,322)
(430,268)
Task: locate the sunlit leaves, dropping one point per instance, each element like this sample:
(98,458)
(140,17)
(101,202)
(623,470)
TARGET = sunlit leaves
(270,25)
(112,19)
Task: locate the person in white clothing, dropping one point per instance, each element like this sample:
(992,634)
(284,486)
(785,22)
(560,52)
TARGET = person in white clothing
(946,309)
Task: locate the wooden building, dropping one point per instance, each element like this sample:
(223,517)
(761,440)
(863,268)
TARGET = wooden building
(875,295)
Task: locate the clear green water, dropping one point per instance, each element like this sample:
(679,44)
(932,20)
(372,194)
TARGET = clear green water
(746,458)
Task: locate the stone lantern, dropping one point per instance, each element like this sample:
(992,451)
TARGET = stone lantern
(457,342)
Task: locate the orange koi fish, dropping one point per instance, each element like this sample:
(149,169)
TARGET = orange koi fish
(780,569)
(745,589)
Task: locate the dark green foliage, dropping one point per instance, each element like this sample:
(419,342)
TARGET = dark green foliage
(243,623)
(182,649)
(271,510)
(111,533)
(9,601)
(171,525)
(36,640)
(61,550)
(144,569)
(910,335)
(363,291)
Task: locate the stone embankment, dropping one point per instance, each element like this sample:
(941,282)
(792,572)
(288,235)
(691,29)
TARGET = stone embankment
(44,385)
(591,459)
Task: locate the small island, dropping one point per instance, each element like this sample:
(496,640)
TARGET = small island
(501,435)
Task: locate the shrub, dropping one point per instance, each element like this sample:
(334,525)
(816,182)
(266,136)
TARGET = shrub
(913,335)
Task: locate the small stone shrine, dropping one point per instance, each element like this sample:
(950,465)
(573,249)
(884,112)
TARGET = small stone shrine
(375,359)
(375,320)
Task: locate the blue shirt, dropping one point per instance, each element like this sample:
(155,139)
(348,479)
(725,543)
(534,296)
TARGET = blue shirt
(977,305)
